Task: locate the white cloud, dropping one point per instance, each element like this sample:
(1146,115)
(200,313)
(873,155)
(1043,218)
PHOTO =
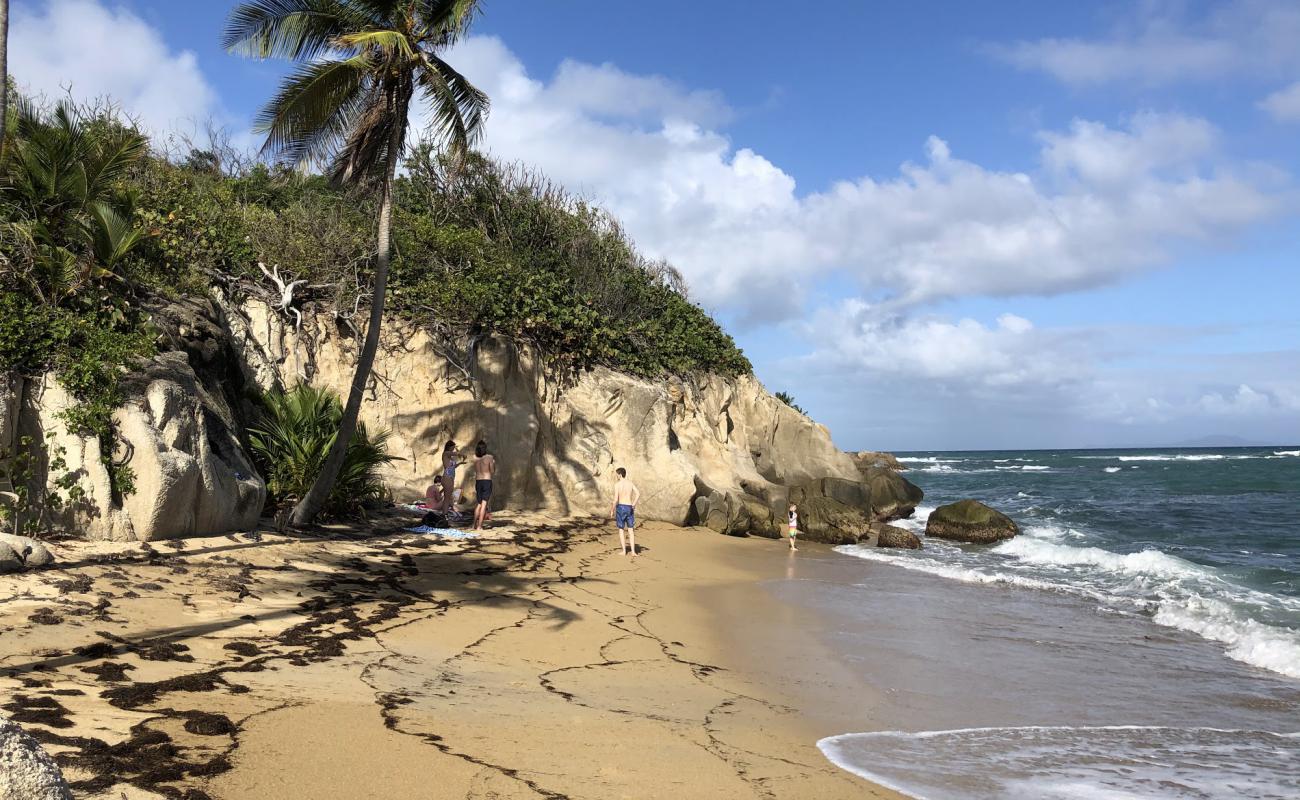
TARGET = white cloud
(1101,202)
(1158,43)
(95,51)
(965,355)
(1284,104)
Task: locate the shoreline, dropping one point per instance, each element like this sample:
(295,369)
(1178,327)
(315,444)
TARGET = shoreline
(534,662)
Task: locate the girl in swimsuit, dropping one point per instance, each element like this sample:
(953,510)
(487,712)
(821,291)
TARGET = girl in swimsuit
(794,524)
(450,460)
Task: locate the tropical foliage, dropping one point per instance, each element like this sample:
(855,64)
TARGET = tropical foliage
(292,439)
(347,107)
(69,238)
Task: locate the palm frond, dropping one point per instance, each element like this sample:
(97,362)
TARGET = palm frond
(392,44)
(314,110)
(296,29)
(365,156)
(447,20)
(459,108)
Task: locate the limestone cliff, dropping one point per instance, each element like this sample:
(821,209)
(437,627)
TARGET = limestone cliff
(722,452)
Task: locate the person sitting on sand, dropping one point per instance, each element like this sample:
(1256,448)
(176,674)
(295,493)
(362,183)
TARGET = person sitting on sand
(485,466)
(794,524)
(623,511)
(433,495)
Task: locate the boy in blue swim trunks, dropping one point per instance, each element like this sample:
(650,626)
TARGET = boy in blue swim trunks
(623,511)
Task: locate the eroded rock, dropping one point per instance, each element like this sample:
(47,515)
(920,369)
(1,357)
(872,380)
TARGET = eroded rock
(970,521)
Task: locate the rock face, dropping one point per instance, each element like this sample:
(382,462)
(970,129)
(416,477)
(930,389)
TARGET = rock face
(720,452)
(712,451)
(26,771)
(892,495)
(177,434)
(970,521)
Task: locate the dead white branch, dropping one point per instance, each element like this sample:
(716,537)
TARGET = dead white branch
(285,305)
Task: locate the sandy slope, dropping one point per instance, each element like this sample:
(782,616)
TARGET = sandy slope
(379,664)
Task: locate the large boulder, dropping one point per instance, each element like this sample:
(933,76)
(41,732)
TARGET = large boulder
(10,561)
(26,771)
(894,536)
(736,514)
(892,495)
(970,521)
(32,552)
(826,519)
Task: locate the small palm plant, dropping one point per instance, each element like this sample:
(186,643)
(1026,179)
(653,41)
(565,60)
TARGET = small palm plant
(61,179)
(347,107)
(293,438)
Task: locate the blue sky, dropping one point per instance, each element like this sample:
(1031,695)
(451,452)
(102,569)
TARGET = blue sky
(939,226)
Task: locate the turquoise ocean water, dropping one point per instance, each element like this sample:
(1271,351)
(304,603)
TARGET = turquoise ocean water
(1201,543)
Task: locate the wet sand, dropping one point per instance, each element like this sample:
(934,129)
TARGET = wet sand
(369,662)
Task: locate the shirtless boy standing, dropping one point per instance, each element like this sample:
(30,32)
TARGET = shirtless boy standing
(623,511)
(485,466)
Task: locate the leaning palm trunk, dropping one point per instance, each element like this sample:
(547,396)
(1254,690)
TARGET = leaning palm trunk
(4,71)
(310,505)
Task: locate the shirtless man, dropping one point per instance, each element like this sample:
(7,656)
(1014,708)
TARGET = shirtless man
(485,466)
(623,511)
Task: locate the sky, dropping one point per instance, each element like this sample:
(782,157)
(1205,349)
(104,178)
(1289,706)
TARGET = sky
(938,225)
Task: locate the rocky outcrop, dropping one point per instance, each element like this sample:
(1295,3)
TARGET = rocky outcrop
(865,459)
(721,452)
(177,438)
(27,772)
(970,521)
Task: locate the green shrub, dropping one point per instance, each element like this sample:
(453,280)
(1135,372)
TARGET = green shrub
(293,437)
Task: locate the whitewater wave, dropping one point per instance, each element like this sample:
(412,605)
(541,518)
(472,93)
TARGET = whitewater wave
(1112,469)
(1171,591)
(928,460)
(1027,467)
(1295,453)
(1082,763)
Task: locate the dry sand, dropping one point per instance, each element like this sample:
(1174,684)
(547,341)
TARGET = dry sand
(374,663)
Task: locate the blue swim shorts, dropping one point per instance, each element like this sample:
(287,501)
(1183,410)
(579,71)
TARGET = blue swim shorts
(624,516)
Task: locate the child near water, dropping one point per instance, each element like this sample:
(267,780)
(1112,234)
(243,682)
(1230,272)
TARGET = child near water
(794,524)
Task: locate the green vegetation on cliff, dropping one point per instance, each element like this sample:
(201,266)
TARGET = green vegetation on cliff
(480,248)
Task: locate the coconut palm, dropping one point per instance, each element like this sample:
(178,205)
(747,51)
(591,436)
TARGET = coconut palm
(346,107)
(4,69)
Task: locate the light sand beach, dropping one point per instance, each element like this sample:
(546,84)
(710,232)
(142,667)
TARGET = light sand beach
(376,663)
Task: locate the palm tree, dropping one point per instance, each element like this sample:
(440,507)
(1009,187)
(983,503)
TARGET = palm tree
(4,70)
(347,106)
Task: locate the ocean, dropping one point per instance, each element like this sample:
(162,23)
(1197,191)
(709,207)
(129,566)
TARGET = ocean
(1140,638)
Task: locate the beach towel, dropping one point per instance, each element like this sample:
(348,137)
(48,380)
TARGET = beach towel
(445,533)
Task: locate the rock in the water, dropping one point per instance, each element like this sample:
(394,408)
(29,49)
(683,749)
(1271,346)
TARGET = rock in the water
(892,495)
(26,771)
(32,552)
(970,521)
(9,560)
(894,536)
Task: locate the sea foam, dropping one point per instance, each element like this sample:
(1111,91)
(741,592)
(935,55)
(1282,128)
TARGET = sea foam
(1082,763)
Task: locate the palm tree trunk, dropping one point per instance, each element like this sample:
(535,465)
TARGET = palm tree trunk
(310,505)
(4,71)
